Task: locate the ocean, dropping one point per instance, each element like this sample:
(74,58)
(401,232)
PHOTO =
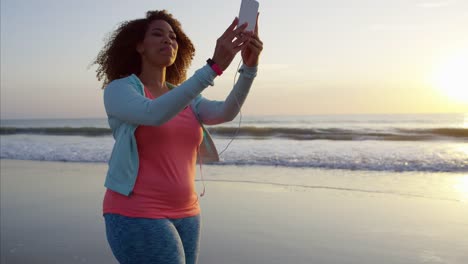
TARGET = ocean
(397,143)
(326,189)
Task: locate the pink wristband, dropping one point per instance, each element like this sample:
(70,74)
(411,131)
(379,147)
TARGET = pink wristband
(216,69)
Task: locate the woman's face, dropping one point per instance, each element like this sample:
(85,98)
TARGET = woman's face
(159,47)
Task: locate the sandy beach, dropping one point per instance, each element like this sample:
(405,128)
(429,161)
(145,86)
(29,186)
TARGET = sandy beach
(51,213)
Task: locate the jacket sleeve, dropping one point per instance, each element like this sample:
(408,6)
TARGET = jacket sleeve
(213,112)
(122,101)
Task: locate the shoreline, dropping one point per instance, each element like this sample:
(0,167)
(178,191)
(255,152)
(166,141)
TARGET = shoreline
(51,213)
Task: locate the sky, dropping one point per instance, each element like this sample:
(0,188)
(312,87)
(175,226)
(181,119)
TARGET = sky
(319,57)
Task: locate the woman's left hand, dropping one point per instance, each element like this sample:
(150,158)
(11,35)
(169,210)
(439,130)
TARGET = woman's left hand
(251,52)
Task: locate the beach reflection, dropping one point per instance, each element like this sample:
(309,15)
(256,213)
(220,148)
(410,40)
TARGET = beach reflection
(461,183)
(461,186)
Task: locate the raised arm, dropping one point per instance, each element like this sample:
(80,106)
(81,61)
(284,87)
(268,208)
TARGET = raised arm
(122,101)
(216,112)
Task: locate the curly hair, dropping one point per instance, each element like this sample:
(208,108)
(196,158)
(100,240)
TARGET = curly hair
(119,57)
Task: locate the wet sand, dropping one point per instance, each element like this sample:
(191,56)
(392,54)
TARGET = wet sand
(51,213)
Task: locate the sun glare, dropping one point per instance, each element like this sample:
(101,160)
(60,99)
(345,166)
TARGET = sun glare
(451,77)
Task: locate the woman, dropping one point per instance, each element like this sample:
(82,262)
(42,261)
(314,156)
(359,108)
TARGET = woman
(151,207)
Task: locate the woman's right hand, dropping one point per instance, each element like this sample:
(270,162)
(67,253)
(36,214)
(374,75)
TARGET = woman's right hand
(232,41)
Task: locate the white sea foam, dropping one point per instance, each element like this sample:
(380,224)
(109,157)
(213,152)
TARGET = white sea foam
(348,155)
(430,143)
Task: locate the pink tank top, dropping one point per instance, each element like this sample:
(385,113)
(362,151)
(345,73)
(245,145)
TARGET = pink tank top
(165,185)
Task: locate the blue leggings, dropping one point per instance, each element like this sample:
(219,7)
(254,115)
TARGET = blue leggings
(162,241)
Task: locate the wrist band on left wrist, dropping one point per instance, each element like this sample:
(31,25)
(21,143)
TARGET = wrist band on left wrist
(214,66)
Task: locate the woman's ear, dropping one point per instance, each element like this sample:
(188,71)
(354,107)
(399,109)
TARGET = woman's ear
(139,48)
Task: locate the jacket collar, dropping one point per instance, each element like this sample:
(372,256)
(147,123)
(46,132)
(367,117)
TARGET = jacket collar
(135,80)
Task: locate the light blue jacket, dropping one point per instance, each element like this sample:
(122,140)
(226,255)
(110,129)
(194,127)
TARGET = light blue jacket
(127,108)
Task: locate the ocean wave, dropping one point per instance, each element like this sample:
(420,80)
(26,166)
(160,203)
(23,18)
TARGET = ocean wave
(343,164)
(57,131)
(254,132)
(396,134)
(358,159)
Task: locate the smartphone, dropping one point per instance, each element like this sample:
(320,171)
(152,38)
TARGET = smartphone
(248,13)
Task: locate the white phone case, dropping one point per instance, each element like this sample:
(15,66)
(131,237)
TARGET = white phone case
(248,13)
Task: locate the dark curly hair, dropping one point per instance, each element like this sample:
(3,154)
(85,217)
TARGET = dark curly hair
(119,57)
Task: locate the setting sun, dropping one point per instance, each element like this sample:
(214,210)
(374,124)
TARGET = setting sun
(451,77)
